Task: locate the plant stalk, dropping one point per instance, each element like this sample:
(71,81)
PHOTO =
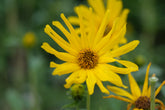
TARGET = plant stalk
(153,81)
(88,101)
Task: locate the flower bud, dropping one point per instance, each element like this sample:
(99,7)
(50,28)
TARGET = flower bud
(77,91)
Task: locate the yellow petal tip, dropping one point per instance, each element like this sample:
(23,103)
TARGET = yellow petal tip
(53,64)
(55,22)
(137,41)
(124,86)
(66,86)
(107,92)
(43,45)
(126,11)
(62,15)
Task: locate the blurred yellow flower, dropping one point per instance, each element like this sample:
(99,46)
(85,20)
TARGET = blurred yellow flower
(88,54)
(141,100)
(29,39)
(96,14)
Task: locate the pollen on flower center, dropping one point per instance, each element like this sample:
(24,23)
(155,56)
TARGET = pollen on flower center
(87,59)
(143,102)
(107,30)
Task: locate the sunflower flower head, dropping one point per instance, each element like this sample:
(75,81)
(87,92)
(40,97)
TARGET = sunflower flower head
(96,13)
(140,99)
(88,54)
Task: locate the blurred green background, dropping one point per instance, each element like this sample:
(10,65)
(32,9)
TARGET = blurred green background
(26,82)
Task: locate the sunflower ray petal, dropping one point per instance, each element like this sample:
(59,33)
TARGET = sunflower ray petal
(131,66)
(120,92)
(145,86)
(119,98)
(65,68)
(134,86)
(125,49)
(91,81)
(60,41)
(61,55)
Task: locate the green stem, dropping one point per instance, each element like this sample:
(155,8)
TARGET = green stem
(88,102)
(77,107)
(153,81)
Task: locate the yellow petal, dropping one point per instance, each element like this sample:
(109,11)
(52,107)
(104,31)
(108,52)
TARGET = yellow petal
(119,98)
(74,35)
(149,91)
(118,34)
(105,41)
(102,75)
(101,29)
(78,31)
(123,40)
(106,58)
(71,79)
(102,88)
(76,77)
(159,88)
(120,92)
(91,81)
(134,87)
(145,86)
(123,18)
(115,7)
(119,69)
(74,20)
(60,41)
(161,103)
(53,64)
(125,48)
(98,6)
(113,41)
(103,72)
(121,22)
(129,106)
(87,26)
(131,66)
(72,41)
(65,68)
(62,29)
(85,12)
(84,39)
(61,55)
(82,76)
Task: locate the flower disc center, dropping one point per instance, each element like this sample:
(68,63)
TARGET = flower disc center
(87,59)
(143,102)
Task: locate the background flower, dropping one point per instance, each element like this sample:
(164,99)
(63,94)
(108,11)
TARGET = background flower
(93,16)
(138,99)
(29,40)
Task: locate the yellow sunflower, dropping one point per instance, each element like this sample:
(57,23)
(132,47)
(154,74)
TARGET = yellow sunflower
(87,55)
(140,100)
(97,12)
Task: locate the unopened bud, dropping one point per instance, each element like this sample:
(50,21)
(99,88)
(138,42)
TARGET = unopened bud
(77,91)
